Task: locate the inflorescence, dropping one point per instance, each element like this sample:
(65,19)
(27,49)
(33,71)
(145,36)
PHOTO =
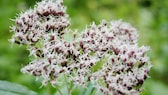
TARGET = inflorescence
(106,55)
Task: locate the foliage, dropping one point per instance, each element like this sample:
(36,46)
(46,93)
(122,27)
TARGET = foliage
(7,88)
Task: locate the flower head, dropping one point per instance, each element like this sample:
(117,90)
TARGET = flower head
(107,54)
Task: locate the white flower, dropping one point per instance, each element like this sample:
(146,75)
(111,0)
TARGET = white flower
(107,54)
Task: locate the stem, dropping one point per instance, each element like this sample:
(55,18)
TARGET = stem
(66,83)
(72,88)
(49,90)
(59,90)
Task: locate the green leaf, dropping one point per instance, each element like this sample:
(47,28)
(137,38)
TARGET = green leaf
(99,65)
(7,88)
(90,89)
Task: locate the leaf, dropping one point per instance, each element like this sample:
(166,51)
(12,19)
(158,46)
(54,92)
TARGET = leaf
(8,88)
(89,90)
(98,65)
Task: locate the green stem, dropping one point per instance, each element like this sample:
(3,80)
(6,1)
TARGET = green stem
(68,88)
(49,90)
(59,90)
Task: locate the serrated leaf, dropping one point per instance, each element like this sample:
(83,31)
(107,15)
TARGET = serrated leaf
(8,88)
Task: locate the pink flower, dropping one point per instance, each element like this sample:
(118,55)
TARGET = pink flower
(107,54)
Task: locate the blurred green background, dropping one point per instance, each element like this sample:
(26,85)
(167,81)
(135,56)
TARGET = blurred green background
(150,17)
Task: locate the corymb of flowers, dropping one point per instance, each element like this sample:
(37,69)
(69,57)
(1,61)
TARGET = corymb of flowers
(106,55)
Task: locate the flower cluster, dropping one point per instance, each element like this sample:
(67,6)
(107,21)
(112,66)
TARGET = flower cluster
(35,24)
(106,54)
